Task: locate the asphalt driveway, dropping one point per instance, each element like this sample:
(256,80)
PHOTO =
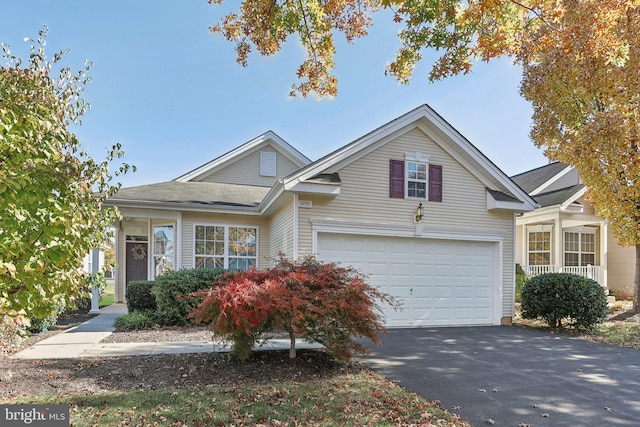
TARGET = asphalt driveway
(515,376)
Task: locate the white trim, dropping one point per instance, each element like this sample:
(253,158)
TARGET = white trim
(567,203)
(152,250)
(315,188)
(416,156)
(419,181)
(493,204)
(179,243)
(321,225)
(296,227)
(226,226)
(553,179)
(538,228)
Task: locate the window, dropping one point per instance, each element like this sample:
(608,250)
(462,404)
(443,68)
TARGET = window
(163,249)
(539,248)
(579,249)
(218,246)
(418,180)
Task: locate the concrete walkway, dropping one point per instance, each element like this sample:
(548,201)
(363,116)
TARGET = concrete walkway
(84,341)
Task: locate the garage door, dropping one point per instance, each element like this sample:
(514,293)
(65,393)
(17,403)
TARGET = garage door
(439,282)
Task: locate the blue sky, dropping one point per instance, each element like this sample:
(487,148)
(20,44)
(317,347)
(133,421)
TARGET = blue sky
(173,95)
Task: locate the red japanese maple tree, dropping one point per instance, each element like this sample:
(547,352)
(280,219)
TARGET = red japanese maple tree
(316,301)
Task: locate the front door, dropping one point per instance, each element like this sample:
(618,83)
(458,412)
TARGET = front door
(136,261)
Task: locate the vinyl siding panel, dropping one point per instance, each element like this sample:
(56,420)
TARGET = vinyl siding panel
(365,198)
(520,250)
(621,263)
(246,170)
(189,220)
(282,231)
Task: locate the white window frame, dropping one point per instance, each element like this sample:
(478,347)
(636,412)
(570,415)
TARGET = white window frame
(226,256)
(417,159)
(580,232)
(540,228)
(169,263)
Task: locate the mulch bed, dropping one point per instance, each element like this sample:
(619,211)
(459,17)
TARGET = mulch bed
(20,378)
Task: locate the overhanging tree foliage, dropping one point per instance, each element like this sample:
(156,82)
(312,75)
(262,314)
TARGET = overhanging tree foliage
(580,62)
(50,191)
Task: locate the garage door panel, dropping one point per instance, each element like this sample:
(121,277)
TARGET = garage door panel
(439,282)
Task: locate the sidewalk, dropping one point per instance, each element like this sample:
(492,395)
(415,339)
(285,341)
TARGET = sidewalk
(84,341)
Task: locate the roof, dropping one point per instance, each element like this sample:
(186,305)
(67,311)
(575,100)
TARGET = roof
(269,137)
(558,197)
(501,197)
(193,193)
(535,178)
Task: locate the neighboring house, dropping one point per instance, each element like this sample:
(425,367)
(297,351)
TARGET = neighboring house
(565,235)
(412,204)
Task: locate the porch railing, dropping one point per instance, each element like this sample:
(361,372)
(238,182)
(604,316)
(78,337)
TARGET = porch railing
(593,272)
(535,270)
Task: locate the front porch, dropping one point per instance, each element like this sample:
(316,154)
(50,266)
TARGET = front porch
(593,272)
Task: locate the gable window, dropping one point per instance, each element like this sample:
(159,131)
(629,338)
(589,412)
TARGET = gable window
(221,246)
(539,248)
(579,249)
(415,179)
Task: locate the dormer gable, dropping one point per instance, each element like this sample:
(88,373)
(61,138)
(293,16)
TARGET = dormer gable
(259,162)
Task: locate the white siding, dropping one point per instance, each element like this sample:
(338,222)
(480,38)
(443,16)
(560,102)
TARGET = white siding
(621,267)
(365,197)
(282,231)
(246,170)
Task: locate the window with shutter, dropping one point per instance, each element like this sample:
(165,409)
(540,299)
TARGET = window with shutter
(396,179)
(435,183)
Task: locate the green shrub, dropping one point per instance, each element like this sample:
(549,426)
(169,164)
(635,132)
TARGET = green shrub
(42,324)
(140,297)
(557,296)
(172,287)
(135,320)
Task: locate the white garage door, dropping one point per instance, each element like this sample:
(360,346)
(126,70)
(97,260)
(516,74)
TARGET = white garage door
(439,282)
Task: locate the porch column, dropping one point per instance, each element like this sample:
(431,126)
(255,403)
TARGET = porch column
(557,245)
(95,292)
(604,253)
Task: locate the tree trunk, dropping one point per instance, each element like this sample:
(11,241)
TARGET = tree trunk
(292,349)
(636,288)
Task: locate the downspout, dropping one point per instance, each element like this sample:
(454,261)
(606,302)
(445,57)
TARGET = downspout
(295,226)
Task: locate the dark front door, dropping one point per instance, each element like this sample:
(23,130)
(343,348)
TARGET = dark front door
(136,261)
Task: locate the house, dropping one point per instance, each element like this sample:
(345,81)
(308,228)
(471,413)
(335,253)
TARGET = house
(412,204)
(566,235)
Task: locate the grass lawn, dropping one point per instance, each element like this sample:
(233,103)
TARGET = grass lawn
(108,297)
(362,399)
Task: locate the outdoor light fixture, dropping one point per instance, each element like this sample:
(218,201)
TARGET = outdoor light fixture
(419,212)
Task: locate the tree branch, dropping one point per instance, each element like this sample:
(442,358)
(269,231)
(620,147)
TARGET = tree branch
(535,12)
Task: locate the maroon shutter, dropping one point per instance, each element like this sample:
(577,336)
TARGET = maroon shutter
(396,178)
(435,183)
